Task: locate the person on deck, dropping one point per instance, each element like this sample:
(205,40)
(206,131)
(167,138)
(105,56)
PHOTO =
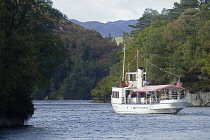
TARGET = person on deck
(129,98)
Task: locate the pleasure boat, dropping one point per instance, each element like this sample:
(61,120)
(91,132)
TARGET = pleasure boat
(135,95)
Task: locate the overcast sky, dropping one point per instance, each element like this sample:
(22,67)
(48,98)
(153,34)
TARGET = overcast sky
(109,10)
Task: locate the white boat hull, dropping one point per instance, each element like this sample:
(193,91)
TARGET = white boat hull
(167,107)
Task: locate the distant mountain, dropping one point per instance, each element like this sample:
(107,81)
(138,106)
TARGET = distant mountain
(115,28)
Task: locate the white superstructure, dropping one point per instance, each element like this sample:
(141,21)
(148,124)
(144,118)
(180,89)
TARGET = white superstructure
(136,96)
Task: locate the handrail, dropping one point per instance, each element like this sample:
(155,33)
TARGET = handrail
(152,99)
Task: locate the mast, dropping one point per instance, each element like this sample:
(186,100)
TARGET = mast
(123,74)
(137,58)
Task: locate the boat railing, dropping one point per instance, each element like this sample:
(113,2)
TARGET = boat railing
(143,100)
(152,99)
(174,95)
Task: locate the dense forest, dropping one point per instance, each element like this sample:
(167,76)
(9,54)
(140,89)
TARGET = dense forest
(45,55)
(89,57)
(30,53)
(172,44)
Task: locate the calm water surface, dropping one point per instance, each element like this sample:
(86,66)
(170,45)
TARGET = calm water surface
(69,120)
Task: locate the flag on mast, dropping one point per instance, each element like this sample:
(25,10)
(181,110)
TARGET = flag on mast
(178,84)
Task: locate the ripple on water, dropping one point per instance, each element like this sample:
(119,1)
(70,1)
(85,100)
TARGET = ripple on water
(82,120)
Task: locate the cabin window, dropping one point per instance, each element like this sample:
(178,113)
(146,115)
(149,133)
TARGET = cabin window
(132,77)
(144,77)
(115,94)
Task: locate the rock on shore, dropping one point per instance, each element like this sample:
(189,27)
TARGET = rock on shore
(199,99)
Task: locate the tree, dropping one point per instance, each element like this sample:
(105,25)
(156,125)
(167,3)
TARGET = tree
(103,90)
(184,5)
(147,18)
(83,75)
(174,43)
(185,38)
(29,54)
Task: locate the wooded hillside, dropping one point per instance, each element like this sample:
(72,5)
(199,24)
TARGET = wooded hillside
(45,55)
(89,57)
(174,43)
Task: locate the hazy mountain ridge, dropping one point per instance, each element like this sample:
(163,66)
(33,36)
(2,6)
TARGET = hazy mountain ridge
(115,28)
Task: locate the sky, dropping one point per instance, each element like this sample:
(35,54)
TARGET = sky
(109,10)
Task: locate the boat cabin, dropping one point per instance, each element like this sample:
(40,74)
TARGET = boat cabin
(136,79)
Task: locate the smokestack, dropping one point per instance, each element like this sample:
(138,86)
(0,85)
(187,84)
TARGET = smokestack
(140,77)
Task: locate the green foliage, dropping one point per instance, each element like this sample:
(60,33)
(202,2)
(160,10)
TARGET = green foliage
(83,75)
(102,92)
(176,42)
(89,57)
(148,17)
(29,53)
(180,47)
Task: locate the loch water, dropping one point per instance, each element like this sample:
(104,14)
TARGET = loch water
(81,120)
